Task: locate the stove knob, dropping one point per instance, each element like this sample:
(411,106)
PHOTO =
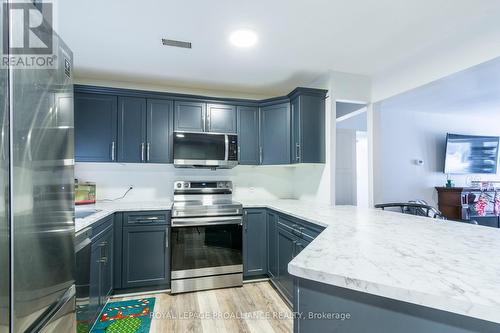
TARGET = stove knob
(186,185)
(179,185)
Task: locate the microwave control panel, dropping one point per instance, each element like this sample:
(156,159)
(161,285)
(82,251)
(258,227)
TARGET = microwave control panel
(232,154)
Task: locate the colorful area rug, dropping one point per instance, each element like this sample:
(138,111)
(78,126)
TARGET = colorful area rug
(125,317)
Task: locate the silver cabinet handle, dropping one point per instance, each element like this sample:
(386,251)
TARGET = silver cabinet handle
(113,148)
(239,152)
(142,152)
(102,260)
(297,152)
(148,148)
(260,155)
(208,121)
(203,121)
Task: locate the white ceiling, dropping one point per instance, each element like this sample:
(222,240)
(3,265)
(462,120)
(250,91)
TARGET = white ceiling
(474,91)
(298,40)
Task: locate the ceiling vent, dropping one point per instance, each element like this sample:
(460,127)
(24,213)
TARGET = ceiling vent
(176,43)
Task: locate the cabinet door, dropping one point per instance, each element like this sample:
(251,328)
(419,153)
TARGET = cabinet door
(189,116)
(131,129)
(296,135)
(311,119)
(275,134)
(146,258)
(159,128)
(254,242)
(106,244)
(272,245)
(95,282)
(95,127)
(286,252)
(248,135)
(221,118)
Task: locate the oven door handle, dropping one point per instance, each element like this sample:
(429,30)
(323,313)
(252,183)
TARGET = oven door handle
(205,221)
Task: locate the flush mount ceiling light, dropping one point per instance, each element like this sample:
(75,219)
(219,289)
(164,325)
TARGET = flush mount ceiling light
(243,38)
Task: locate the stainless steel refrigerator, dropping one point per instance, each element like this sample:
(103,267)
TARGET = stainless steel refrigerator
(37,292)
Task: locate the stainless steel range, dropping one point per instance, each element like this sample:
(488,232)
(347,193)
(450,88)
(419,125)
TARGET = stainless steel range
(206,237)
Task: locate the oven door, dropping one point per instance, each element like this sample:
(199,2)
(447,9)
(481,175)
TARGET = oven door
(206,246)
(200,149)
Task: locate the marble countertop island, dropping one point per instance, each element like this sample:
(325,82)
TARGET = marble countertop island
(444,265)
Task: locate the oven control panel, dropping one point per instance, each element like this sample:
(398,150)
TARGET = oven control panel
(201,185)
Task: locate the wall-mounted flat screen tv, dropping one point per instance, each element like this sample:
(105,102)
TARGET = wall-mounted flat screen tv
(471,154)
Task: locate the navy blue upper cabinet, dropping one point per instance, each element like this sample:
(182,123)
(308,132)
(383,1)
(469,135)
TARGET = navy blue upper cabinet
(131,129)
(248,135)
(308,125)
(131,126)
(159,126)
(190,116)
(275,134)
(95,127)
(221,118)
(254,242)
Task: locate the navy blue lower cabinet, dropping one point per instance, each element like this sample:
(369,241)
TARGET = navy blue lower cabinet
(106,244)
(101,265)
(254,242)
(272,245)
(352,311)
(95,282)
(286,252)
(118,249)
(146,256)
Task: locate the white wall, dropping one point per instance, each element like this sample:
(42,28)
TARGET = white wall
(154,182)
(356,122)
(404,136)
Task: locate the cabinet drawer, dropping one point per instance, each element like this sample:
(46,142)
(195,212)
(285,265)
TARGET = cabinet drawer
(146,218)
(300,228)
(100,226)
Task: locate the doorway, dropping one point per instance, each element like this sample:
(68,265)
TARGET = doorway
(351,155)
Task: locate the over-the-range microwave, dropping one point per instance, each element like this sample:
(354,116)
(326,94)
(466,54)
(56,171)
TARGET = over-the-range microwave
(205,150)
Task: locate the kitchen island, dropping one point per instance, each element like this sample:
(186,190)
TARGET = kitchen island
(380,271)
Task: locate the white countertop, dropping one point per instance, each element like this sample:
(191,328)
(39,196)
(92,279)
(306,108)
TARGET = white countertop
(449,266)
(444,265)
(108,208)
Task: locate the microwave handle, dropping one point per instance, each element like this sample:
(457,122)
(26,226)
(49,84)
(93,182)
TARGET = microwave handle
(226,151)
